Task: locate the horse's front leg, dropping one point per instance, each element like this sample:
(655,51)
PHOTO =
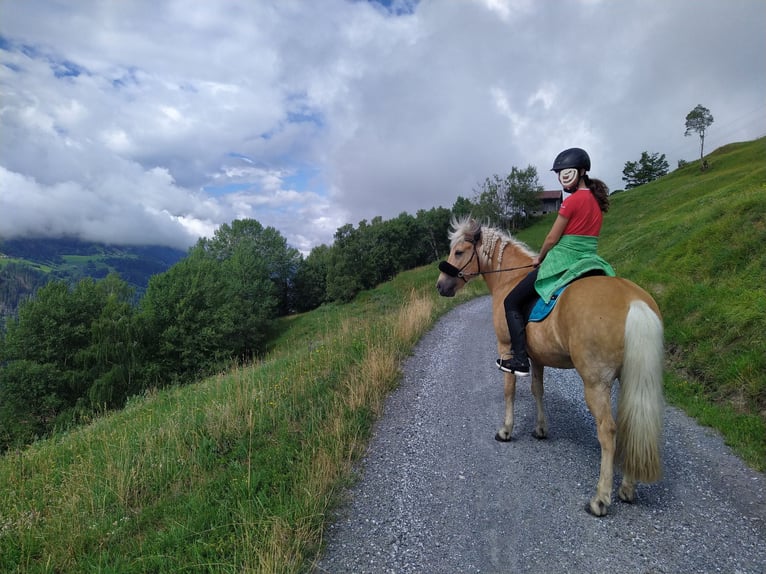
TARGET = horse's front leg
(509,392)
(541,425)
(598,399)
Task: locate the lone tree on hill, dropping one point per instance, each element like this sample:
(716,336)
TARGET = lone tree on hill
(697,121)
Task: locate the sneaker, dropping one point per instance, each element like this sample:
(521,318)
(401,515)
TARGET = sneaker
(517,367)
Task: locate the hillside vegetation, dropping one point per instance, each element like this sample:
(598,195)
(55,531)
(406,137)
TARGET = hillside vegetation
(75,350)
(238,473)
(696,240)
(28,264)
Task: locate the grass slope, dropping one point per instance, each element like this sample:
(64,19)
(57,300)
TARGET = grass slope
(237,473)
(232,474)
(696,240)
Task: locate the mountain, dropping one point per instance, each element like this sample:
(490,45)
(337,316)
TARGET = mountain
(28,264)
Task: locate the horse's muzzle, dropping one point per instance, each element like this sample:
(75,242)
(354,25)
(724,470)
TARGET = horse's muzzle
(446,286)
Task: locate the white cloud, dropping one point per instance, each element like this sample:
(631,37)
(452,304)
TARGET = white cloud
(158,121)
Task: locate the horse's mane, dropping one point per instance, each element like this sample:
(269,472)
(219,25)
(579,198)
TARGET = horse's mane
(468,228)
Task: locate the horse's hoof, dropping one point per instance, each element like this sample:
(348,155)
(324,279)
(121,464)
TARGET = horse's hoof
(539,435)
(500,438)
(599,511)
(627,495)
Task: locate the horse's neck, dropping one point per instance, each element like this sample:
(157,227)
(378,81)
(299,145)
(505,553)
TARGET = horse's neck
(499,252)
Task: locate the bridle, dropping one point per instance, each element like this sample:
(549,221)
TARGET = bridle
(449,269)
(452,271)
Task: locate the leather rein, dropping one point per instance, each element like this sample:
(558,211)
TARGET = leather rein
(449,269)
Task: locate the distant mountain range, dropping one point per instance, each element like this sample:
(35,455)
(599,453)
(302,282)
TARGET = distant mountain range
(28,264)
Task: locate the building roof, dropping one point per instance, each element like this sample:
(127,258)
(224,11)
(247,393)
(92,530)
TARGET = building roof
(553,194)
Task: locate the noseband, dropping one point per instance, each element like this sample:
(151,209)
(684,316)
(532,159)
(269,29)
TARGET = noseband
(449,269)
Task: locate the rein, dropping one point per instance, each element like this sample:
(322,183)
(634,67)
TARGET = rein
(501,270)
(452,271)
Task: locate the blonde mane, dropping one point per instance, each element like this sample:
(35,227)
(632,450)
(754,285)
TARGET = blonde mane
(467,228)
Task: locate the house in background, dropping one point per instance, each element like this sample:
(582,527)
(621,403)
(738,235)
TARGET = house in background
(550,201)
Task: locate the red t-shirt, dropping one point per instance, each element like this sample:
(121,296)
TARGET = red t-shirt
(583,213)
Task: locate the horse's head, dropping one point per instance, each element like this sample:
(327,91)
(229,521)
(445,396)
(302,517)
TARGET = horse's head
(463,264)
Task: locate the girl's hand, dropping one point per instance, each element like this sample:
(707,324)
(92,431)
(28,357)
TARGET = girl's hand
(536,261)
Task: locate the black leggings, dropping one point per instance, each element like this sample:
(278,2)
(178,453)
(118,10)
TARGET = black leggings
(521,295)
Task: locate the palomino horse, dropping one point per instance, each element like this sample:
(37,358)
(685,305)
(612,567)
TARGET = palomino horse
(605,327)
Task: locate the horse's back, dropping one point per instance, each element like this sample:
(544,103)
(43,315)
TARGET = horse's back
(588,320)
(611,294)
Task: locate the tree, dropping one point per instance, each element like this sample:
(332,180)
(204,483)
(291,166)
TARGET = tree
(310,285)
(509,201)
(462,207)
(30,401)
(216,305)
(697,121)
(113,356)
(434,226)
(180,322)
(69,352)
(345,278)
(647,169)
(375,252)
(281,260)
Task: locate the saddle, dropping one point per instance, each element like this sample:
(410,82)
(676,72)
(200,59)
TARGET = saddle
(537,309)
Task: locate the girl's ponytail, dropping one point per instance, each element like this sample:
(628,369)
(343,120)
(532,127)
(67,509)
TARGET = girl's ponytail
(599,190)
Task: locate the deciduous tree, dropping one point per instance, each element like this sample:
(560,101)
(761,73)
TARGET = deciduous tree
(72,350)
(646,169)
(510,200)
(216,305)
(697,121)
(310,285)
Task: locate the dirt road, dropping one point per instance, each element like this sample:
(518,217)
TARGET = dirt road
(437,493)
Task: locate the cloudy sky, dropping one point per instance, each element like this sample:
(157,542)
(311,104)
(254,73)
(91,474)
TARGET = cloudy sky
(155,121)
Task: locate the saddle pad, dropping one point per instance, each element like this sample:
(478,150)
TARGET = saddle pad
(541,310)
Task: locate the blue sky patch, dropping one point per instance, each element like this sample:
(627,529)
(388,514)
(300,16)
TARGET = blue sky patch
(396,7)
(66,69)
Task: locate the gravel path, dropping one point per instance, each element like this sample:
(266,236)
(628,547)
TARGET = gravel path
(436,493)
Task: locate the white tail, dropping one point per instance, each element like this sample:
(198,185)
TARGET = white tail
(641,405)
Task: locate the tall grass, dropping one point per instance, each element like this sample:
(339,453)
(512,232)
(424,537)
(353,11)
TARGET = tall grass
(233,474)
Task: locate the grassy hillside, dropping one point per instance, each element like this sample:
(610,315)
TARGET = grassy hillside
(697,241)
(237,473)
(233,474)
(28,264)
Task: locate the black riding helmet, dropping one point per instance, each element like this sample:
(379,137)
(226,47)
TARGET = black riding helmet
(572,157)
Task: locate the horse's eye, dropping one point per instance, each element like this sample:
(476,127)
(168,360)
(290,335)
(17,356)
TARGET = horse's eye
(458,253)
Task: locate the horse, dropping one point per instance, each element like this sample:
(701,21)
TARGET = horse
(606,328)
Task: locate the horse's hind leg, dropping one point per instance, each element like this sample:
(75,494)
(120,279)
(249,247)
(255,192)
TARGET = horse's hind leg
(627,490)
(598,399)
(509,392)
(541,425)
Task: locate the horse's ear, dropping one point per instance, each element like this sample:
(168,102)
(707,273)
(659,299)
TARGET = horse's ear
(477,236)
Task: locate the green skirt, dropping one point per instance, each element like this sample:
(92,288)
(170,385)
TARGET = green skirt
(572,256)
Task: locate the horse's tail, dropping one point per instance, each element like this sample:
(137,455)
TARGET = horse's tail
(640,408)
